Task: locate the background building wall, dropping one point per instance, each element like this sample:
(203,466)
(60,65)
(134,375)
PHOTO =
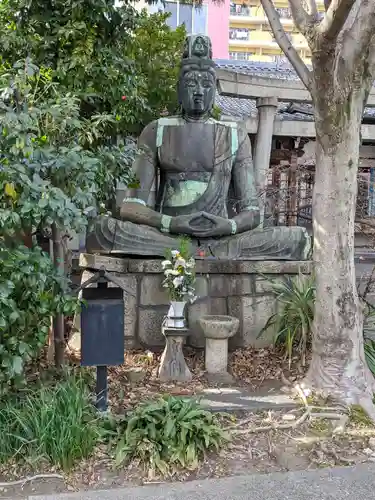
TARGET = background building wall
(218,28)
(250,37)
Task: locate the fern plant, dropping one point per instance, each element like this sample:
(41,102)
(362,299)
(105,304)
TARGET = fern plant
(168,433)
(292,322)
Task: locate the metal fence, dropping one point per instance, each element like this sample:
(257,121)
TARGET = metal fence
(289,196)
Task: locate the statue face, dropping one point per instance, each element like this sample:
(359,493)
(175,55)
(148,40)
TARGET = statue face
(197,92)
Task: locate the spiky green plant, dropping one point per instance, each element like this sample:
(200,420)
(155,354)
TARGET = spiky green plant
(368,330)
(292,322)
(168,433)
(56,423)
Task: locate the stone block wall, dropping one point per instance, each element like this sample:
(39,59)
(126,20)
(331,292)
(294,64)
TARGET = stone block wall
(239,288)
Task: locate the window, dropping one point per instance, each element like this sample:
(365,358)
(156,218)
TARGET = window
(239,10)
(194,18)
(239,33)
(241,56)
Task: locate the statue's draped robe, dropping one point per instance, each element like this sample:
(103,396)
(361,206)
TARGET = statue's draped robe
(230,188)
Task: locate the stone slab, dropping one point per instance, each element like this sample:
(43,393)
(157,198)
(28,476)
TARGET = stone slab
(269,397)
(338,483)
(253,312)
(150,322)
(152,293)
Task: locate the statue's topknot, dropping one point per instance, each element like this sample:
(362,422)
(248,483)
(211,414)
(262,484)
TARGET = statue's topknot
(197,50)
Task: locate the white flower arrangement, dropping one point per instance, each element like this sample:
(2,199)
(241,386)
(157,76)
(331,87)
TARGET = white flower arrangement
(179,276)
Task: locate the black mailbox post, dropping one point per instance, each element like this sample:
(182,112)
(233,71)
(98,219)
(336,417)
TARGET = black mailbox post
(102,330)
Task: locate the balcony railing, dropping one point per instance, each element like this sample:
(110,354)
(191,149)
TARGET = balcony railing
(239,34)
(243,10)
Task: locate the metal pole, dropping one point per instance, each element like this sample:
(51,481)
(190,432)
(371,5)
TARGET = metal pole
(101,388)
(102,373)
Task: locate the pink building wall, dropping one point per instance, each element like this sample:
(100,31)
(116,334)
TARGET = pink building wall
(218,28)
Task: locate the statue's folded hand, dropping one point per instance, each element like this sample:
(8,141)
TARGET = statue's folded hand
(219,226)
(184,224)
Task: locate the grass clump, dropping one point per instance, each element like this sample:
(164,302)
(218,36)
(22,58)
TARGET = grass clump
(168,434)
(359,417)
(50,423)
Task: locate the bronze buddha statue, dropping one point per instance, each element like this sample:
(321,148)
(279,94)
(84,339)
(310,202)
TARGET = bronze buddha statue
(202,172)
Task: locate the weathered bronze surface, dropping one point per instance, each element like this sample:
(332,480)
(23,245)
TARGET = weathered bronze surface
(201,171)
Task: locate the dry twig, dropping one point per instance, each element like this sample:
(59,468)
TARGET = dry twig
(275,426)
(28,479)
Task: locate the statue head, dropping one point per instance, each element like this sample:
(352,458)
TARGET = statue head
(197,82)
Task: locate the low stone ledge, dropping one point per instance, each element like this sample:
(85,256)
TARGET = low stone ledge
(203,265)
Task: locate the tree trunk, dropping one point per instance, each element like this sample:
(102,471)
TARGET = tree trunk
(58,321)
(338,366)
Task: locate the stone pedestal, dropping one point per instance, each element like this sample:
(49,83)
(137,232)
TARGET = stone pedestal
(173,367)
(238,288)
(217,330)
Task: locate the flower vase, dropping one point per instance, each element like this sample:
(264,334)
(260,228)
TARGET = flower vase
(176,314)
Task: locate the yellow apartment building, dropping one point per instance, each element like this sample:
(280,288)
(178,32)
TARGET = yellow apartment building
(250,35)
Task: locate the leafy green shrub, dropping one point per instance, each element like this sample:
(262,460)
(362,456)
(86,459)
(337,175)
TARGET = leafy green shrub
(54,423)
(292,322)
(169,433)
(113,57)
(31,292)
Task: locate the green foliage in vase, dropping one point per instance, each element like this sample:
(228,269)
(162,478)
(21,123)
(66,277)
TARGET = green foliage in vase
(179,272)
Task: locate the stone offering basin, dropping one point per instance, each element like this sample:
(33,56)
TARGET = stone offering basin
(219,326)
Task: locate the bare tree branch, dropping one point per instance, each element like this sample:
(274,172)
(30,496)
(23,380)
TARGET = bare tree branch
(327,3)
(356,37)
(335,18)
(372,57)
(313,9)
(301,18)
(285,44)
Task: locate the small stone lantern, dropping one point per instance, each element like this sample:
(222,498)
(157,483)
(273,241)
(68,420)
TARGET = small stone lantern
(217,330)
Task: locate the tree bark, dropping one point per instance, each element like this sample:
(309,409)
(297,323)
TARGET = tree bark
(58,321)
(342,47)
(338,366)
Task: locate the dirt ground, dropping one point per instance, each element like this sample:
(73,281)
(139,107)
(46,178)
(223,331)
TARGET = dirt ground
(263,442)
